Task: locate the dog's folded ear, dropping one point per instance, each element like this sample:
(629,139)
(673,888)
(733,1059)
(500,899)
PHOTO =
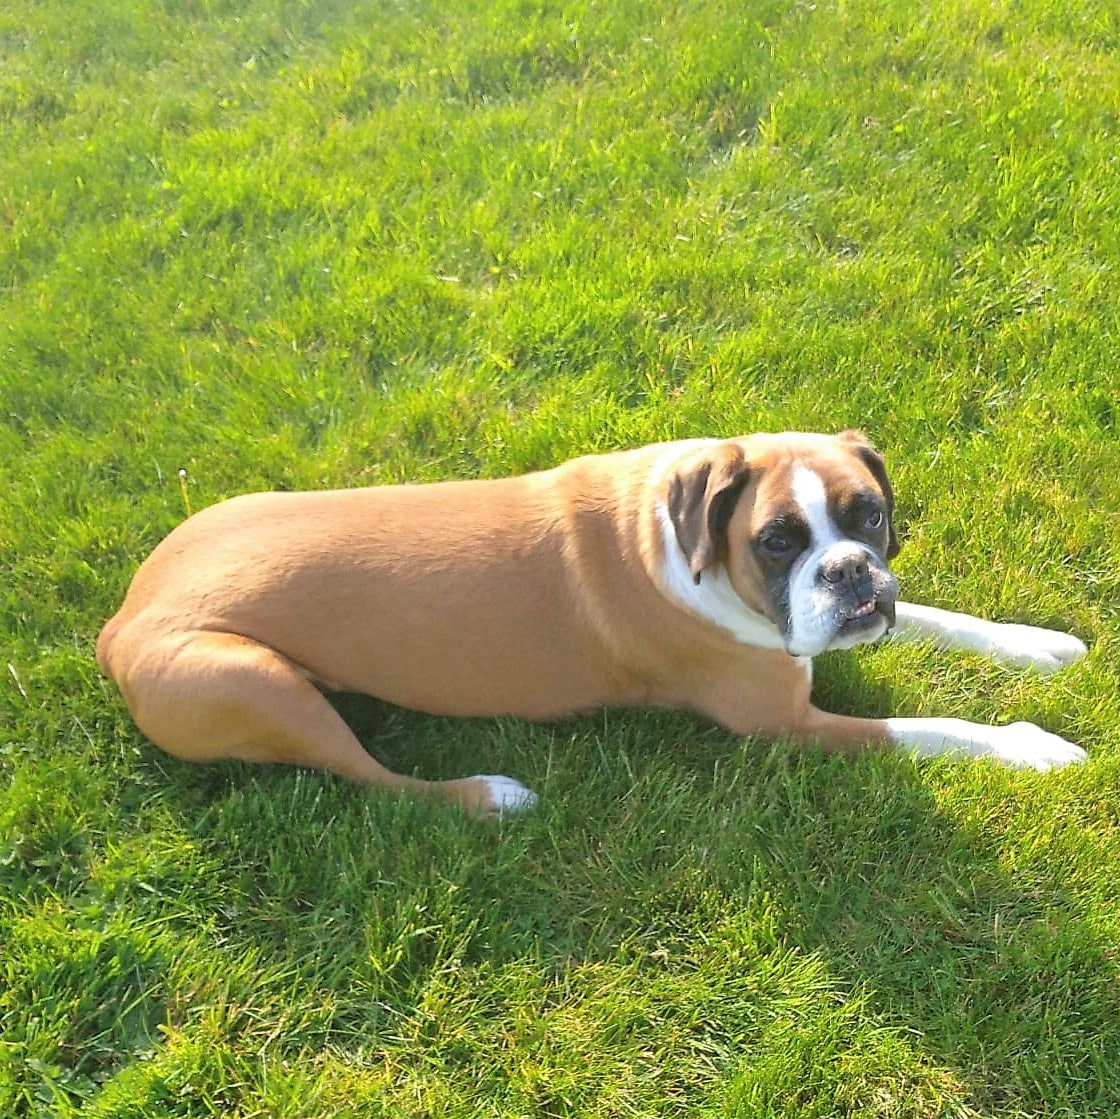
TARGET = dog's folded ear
(874,462)
(701,498)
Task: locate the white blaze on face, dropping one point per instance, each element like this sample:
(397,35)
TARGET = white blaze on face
(813,613)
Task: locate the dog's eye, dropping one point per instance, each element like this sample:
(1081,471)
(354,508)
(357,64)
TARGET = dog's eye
(875,520)
(776,544)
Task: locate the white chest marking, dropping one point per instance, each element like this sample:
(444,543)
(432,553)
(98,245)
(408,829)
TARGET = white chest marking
(713,599)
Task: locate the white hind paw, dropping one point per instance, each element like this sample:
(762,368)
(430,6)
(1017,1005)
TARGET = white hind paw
(507,795)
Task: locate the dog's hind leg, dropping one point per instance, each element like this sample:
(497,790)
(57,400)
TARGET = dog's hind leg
(208,695)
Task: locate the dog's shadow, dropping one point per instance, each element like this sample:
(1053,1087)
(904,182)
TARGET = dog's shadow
(906,888)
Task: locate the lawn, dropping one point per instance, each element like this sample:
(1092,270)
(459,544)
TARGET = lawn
(285,244)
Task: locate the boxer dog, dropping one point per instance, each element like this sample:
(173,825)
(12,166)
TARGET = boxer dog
(703,574)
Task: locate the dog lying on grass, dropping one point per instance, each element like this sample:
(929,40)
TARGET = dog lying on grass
(702,574)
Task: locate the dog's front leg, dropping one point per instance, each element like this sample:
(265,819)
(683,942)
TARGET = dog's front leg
(1043,650)
(1020,745)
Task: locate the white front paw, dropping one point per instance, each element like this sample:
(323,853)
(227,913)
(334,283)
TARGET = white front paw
(1043,650)
(1025,746)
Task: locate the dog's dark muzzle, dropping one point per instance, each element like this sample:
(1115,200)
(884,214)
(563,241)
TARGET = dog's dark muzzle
(863,587)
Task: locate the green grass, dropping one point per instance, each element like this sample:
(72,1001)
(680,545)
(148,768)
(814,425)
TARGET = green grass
(294,244)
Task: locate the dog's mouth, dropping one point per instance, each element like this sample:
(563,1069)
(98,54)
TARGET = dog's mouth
(865,615)
(864,610)
(838,615)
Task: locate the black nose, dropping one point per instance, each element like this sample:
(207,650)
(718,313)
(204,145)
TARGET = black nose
(850,569)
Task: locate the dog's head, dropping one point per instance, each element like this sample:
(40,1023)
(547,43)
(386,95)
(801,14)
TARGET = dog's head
(802,528)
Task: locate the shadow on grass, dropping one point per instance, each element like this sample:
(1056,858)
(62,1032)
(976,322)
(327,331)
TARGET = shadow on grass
(664,850)
(951,909)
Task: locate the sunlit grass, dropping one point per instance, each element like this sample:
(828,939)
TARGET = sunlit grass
(298,245)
